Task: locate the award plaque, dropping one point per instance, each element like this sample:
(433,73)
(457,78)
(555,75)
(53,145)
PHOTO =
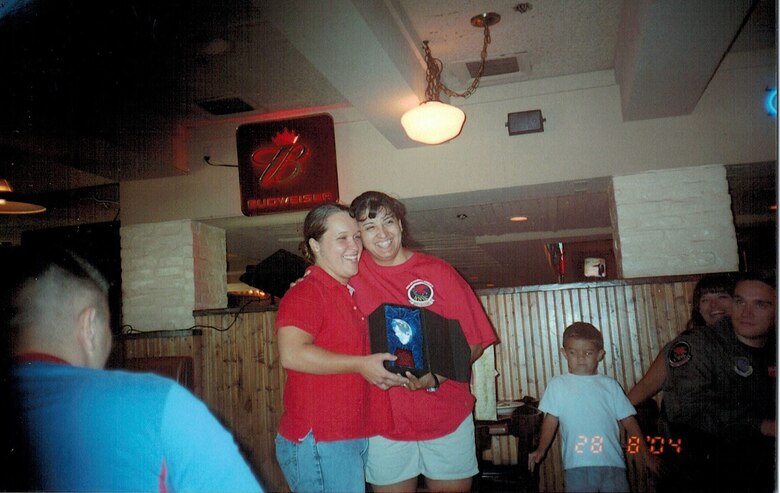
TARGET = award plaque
(423,342)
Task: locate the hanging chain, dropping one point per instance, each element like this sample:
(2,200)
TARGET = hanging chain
(434,68)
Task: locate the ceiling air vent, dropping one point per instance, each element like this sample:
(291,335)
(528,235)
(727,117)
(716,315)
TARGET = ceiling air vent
(496,66)
(225,106)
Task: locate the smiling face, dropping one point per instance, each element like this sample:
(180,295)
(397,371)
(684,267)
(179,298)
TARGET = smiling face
(753,313)
(382,235)
(338,250)
(582,356)
(714,306)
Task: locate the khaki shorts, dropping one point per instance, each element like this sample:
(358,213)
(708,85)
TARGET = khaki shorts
(450,457)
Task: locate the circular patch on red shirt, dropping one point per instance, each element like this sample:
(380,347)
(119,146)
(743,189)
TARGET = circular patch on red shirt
(420,293)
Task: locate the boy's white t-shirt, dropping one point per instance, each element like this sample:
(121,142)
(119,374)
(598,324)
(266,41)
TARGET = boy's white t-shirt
(588,408)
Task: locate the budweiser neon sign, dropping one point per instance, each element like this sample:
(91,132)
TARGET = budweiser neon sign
(287,165)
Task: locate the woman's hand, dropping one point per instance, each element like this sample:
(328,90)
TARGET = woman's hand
(425,382)
(374,371)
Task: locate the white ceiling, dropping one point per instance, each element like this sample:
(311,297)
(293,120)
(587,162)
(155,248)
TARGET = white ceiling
(92,91)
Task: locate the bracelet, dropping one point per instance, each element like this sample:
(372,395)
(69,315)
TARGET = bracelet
(435,385)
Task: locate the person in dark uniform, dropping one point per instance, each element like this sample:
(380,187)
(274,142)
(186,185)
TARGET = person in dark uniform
(718,411)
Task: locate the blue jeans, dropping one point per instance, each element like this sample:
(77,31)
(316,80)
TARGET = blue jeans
(596,479)
(318,467)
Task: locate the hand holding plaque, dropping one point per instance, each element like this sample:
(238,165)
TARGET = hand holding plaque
(422,341)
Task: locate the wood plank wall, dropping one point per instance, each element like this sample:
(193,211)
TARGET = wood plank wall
(237,371)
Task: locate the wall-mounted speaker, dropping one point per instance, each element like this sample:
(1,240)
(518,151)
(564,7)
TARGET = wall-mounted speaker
(525,122)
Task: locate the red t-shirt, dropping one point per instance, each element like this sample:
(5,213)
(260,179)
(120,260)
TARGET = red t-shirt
(333,407)
(430,282)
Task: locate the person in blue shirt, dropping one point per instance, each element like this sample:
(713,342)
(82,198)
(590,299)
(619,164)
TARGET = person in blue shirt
(590,408)
(85,428)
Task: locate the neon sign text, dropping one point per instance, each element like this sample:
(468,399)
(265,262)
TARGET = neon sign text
(289,200)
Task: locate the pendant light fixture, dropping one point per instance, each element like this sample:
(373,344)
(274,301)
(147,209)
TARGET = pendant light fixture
(13,207)
(434,122)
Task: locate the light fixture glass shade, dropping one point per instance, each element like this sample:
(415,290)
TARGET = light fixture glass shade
(433,122)
(10,207)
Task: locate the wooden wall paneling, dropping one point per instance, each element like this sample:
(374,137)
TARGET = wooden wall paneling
(270,384)
(249,376)
(525,348)
(244,387)
(621,335)
(529,345)
(493,309)
(518,382)
(247,373)
(254,371)
(212,351)
(188,345)
(551,335)
(565,308)
(635,370)
(548,336)
(499,309)
(666,317)
(517,367)
(645,327)
(606,314)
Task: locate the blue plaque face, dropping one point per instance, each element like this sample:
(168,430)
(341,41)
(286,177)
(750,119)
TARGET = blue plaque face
(404,336)
(421,341)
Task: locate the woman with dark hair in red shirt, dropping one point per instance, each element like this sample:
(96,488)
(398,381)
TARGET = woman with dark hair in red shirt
(332,396)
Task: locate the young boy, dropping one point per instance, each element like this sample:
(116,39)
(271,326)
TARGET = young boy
(588,407)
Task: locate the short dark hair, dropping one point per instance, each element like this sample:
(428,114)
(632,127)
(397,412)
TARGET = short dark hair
(315,225)
(584,331)
(709,284)
(368,204)
(767,276)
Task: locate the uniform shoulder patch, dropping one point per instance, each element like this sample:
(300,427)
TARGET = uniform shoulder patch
(742,366)
(679,354)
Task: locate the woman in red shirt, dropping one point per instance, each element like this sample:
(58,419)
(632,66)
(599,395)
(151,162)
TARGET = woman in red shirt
(332,396)
(433,431)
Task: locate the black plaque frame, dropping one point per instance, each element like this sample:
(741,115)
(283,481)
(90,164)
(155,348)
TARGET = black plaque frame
(445,350)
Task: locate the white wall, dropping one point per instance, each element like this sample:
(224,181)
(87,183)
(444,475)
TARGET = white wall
(584,137)
(170,269)
(681,224)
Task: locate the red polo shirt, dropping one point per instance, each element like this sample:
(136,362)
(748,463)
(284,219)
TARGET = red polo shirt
(333,407)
